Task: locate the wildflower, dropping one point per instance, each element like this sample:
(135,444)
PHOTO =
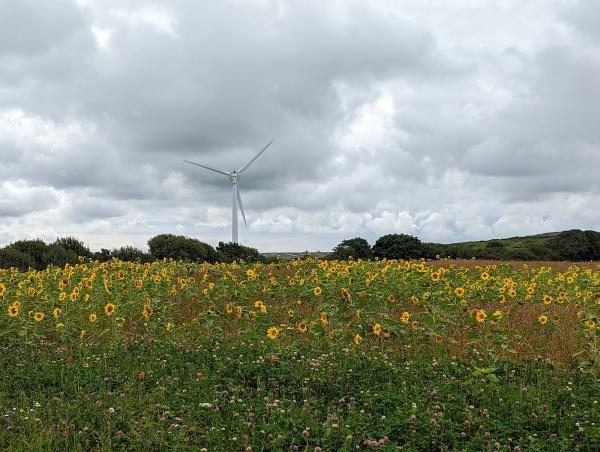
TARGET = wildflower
(324,319)
(109,309)
(13,310)
(148,311)
(377,329)
(272,333)
(481,316)
(346,294)
(543,319)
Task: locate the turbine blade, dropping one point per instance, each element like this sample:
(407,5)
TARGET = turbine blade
(241,205)
(207,167)
(246,165)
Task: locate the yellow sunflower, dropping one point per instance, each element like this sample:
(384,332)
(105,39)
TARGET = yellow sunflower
(109,309)
(272,333)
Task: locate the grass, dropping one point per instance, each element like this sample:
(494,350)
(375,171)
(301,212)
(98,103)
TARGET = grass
(399,361)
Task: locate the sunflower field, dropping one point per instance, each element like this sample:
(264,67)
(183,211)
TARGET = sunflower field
(302,355)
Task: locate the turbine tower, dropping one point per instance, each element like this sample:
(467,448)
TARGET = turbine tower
(234,177)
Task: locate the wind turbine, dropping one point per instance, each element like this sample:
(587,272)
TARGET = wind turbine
(234,177)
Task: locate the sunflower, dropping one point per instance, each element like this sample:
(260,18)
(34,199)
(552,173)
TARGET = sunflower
(481,316)
(302,327)
(263,308)
(405,317)
(590,324)
(39,316)
(543,319)
(391,298)
(435,276)
(459,291)
(93,318)
(497,313)
(485,276)
(272,333)
(324,319)
(290,313)
(229,308)
(73,296)
(31,292)
(377,329)
(138,283)
(414,299)
(386,333)
(346,294)
(62,296)
(57,312)
(109,309)
(317,291)
(13,310)
(547,299)
(2,290)
(258,304)
(250,273)
(212,309)
(148,311)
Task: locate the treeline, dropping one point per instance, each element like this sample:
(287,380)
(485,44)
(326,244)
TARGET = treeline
(37,254)
(573,245)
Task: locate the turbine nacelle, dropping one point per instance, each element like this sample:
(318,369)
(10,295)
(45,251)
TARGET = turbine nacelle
(234,177)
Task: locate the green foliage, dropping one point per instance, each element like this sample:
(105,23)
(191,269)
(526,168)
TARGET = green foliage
(12,257)
(576,245)
(130,254)
(35,249)
(229,252)
(179,247)
(75,245)
(399,246)
(59,256)
(357,248)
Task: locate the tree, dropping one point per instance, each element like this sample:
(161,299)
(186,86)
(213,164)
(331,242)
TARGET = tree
(75,245)
(12,257)
(399,246)
(60,256)
(229,252)
(35,249)
(183,248)
(358,248)
(573,245)
(130,254)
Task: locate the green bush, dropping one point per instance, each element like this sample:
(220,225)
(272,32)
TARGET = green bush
(59,256)
(73,244)
(130,254)
(229,252)
(183,248)
(399,246)
(357,248)
(35,249)
(12,257)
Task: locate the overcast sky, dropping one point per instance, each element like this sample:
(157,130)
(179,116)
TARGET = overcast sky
(450,120)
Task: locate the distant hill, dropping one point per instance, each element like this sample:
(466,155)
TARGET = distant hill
(575,244)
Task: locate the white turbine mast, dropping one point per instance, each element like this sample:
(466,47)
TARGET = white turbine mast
(234,177)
